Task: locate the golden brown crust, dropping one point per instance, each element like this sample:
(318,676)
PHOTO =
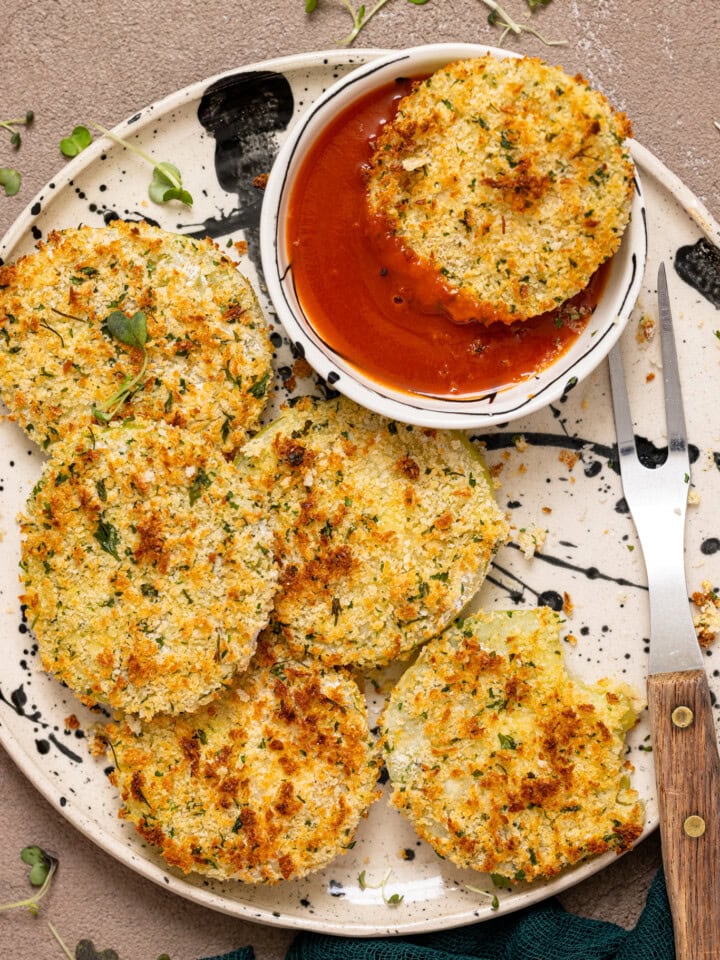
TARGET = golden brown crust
(501,761)
(208,349)
(267,783)
(509,179)
(146,567)
(383,531)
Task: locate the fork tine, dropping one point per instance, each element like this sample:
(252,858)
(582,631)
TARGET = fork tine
(621,406)
(674,412)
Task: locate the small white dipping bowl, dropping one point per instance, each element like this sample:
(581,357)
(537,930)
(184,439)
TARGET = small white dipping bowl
(516,400)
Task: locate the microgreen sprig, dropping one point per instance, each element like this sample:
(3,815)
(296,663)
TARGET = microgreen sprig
(393,900)
(498,16)
(360,17)
(10,178)
(12,125)
(42,868)
(166,183)
(131,331)
(86,950)
(493,897)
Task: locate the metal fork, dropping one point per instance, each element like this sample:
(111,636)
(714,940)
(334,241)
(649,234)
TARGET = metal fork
(687,767)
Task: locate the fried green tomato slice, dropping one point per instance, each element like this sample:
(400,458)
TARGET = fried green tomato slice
(504,763)
(383,531)
(208,349)
(267,783)
(507,178)
(147,568)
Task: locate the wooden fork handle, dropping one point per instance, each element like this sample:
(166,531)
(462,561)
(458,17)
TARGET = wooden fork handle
(687,771)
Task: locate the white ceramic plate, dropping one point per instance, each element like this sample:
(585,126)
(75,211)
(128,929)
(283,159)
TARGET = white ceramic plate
(222,133)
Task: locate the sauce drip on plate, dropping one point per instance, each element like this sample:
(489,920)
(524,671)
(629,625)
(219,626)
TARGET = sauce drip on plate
(380,308)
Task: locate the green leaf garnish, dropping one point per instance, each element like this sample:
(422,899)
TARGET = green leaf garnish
(129,330)
(393,900)
(10,177)
(501,882)
(493,897)
(12,125)
(78,140)
(500,17)
(86,950)
(42,869)
(132,331)
(39,862)
(201,482)
(166,183)
(259,388)
(108,537)
(10,180)
(360,17)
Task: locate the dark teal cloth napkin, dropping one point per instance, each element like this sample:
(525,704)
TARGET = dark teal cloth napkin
(544,932)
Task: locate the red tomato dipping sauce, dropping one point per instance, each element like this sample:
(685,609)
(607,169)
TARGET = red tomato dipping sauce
(384,311)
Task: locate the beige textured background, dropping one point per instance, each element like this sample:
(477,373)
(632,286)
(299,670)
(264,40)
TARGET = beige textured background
(68,60)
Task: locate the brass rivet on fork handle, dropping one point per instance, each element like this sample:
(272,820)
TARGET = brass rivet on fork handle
(682,717)
(694,826)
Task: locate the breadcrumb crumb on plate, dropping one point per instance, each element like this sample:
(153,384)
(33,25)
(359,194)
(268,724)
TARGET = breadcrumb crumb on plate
(146,567)
(208,348)
(384,531)
(267,783)
(503,762)
(707,619)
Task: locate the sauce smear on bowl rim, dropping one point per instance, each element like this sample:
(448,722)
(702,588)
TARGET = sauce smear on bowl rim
(382,310)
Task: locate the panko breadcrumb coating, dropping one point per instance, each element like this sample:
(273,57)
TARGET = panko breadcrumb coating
(147,568)
(503,762)
(507,177)
(384,531)
(267,783)
(208,349)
